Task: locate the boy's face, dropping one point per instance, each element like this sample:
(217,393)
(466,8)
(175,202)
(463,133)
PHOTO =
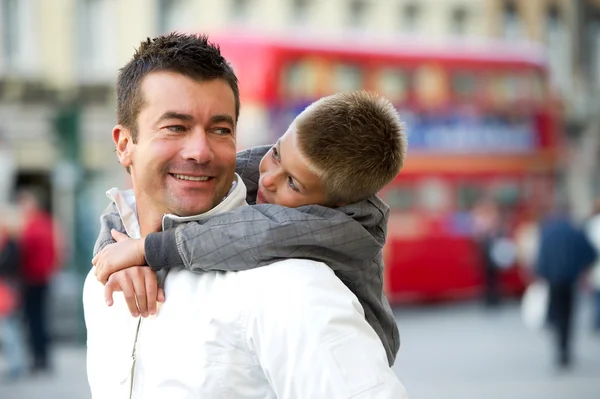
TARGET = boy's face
(285,176)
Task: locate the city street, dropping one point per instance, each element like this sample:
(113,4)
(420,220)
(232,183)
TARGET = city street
(448,352)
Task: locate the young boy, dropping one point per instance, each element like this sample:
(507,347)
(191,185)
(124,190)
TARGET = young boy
(315,195)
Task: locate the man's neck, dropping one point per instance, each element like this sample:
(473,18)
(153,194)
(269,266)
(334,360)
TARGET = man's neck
(150,219)
(149,225)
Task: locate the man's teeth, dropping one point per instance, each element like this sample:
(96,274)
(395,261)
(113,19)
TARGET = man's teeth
(191,178)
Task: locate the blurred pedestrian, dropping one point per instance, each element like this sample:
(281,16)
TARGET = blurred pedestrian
(11,335)
(527,241)
(39,259)
(593,233)
(564,254)
(486,232)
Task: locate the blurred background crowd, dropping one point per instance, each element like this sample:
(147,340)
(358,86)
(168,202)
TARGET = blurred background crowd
(500,99)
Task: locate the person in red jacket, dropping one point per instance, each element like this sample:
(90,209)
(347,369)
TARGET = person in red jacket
(39,261)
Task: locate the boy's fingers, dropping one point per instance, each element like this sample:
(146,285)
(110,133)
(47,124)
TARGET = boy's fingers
(118,236)
(151,290)
(102,275)
(160,297)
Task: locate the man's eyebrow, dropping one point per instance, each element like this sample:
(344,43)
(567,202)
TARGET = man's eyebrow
(281,160)
(175,115)
(222,118)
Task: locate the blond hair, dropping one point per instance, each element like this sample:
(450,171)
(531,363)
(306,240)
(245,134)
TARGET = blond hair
(354,141)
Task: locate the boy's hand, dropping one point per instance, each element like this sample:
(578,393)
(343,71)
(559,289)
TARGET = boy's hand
(139,287)
(126,252)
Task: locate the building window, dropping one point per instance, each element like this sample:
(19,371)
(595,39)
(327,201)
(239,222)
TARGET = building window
(511,24)
(593,48)
(10,34)
(393,83)
(18,36)
(300,11)
(96,39)
(410,18)
(558,46)
(240,9)
(357,13)
(172,15)
(459,21)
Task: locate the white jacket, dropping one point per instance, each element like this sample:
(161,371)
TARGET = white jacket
(288,330)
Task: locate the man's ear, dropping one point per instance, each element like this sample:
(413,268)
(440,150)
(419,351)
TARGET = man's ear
(124,144)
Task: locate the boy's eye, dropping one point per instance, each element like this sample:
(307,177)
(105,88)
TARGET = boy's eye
(275,154)
(292,184)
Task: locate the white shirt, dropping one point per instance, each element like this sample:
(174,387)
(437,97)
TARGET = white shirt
(288,330)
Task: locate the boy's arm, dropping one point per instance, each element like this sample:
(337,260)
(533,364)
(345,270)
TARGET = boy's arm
(109,220)
(247,163)
(253,236)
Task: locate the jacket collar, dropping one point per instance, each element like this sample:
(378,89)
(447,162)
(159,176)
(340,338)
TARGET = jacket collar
(126,205)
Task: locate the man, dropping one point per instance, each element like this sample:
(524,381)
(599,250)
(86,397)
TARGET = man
(287,330)
(39,263)
(564,254)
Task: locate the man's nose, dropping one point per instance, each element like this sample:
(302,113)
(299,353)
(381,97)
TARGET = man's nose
(197,148)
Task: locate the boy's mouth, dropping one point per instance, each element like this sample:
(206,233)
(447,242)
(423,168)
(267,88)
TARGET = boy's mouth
(260,198)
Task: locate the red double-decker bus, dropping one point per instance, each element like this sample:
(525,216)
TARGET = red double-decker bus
(481,122)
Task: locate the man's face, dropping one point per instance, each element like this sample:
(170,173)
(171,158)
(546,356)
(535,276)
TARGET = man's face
(286,178)
(184,159)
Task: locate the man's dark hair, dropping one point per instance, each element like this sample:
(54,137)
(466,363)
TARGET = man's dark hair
(192,56)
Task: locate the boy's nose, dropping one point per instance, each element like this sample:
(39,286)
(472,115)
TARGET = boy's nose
(269,180)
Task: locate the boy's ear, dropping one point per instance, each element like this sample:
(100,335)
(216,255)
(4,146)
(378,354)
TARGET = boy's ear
(124,144)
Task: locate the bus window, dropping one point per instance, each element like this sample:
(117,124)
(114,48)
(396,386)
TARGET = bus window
(347,77)
(464,85)
(431,86)
(399,198)
(300,79)
(467,196)
(434,195)
(507,193)
(503,89)
(393,84)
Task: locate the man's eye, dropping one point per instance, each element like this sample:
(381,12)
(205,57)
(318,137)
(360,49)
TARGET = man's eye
(222,131)
(177,128)
(292,184)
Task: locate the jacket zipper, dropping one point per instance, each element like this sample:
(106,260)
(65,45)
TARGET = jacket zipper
(133,354)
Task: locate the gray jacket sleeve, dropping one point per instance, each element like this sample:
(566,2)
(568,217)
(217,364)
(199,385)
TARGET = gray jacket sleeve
(109,219)
(257,235)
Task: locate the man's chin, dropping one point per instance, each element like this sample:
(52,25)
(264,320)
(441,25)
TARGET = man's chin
(190,209)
